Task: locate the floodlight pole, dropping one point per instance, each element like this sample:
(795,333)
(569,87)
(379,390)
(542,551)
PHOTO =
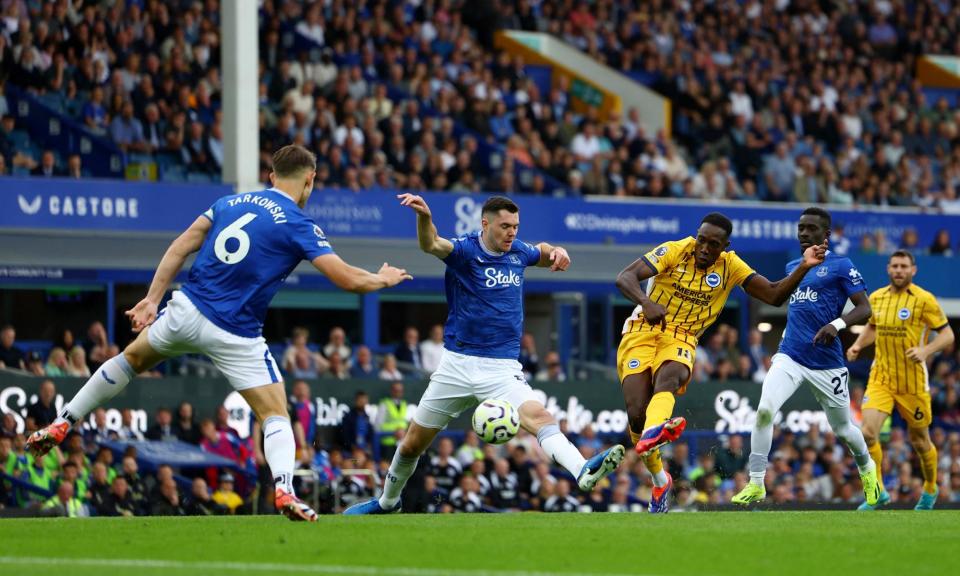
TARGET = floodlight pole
(239,51)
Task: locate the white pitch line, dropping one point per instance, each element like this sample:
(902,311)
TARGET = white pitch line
(274,567)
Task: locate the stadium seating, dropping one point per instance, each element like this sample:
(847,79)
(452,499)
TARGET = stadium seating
(849,135)
(775,101)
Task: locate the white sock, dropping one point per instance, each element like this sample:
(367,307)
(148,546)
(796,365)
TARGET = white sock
(778,387)
(758,468)
(761,440)
(400,470)
(660,478)
(112,377)
(280,450)
(556,445)
(839,419)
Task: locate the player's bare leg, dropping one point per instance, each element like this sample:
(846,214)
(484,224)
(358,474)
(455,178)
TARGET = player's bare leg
(269,404)
(925,449)
(872,422)
(415,442)
(637,391)
(112,377)
(535,418)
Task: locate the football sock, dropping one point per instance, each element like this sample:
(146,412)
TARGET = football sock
(400,470)
(761,438)
(112,377)
(778,387)
(876,453)
(556,445)
(655,465)
(279,449)
(757,464)
(928,465)
(839,419)
(660,409)
(634,436)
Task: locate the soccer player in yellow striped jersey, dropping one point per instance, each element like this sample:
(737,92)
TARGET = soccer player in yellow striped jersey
(691,281)
(904,315)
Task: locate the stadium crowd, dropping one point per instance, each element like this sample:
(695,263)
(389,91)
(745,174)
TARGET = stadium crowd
(790,101)
(462,474)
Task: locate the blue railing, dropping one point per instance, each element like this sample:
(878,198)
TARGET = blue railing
(51,129)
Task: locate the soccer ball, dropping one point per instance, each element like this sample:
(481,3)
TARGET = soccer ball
(496,421)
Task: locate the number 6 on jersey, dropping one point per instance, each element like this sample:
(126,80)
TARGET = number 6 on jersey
(234,230)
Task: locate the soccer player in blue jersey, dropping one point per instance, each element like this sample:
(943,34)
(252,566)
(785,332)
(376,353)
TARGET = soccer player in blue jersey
(248,244)
(484,288)
(810,353)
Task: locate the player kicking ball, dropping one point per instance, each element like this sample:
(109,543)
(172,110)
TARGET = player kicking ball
(810,353)
(904,314)
(248,244)
(481,340)
(691,281)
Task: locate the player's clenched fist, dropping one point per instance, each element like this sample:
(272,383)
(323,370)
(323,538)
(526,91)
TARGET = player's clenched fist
(814,255)
(853,352)
(560,259)
(826,335)
(655,314)
(418,204)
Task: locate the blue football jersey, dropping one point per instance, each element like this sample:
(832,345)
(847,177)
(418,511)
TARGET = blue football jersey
(819,300)
(485,298)
(255,242)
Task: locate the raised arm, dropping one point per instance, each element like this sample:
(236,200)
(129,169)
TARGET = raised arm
(554,257)
(430,241)
(629,282)
(776,293)
(145,312)
(358,280)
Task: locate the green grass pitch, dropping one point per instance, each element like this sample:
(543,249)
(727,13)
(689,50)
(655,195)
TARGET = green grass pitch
(701,544)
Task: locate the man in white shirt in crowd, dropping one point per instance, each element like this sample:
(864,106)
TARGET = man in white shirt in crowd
(431,349)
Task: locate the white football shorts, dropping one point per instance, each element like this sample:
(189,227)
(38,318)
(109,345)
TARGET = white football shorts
(181,329)
(830,386)
(461,382)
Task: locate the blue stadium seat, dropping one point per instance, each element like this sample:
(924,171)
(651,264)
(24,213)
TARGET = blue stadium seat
(277,349)
(199,178)
(166,159)
(173,173)
(136,157)
(54,100)
(20,139)
(40,346)
(30,148)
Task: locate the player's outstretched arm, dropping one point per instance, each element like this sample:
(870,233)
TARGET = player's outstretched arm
(864,340)
(860,312)
(430,241)
(630,283)
(358,280)
(776,293)
(553,257)
(145,312)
